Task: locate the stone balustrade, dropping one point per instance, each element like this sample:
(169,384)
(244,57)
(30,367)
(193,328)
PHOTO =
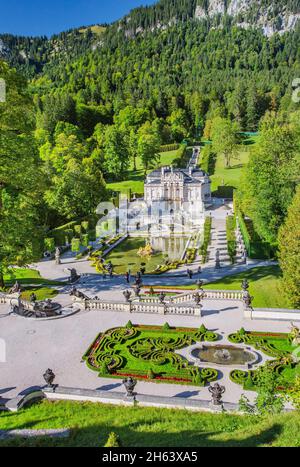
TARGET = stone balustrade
(208,295)
(142,307)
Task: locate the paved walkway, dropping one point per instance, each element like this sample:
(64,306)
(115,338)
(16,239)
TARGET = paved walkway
(32,346)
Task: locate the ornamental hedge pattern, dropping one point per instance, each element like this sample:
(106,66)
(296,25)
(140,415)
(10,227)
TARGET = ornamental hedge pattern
(148,353)
(269,343)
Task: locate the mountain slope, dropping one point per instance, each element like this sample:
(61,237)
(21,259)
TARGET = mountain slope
(31,54)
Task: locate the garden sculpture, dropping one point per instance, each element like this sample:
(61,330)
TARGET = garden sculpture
(218,264)
(162,297)
(247,299)
(129,384)
(245,284)
(216,391)
(49,377)
(16,288)
(127,295)
(57,256)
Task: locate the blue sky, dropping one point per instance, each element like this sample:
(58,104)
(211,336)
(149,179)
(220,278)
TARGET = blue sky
(46,17)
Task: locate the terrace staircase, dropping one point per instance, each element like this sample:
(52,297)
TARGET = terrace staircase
(218,242)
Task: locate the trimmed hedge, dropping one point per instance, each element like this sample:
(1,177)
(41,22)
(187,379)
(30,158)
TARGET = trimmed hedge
(169,147)
(154,351)
(206,241)
(231,240)
(208,160)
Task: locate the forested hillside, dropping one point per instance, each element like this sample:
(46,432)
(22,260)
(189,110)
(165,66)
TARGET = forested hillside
(103,97)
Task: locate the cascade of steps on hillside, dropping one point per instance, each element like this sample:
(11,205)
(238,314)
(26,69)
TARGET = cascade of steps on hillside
(218,242)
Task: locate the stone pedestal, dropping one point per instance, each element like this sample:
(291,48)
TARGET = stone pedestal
(248,313)
(216,408)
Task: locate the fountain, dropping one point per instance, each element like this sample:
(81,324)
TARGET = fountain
(223,355)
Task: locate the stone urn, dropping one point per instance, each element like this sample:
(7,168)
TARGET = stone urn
(49,377)
(129,384)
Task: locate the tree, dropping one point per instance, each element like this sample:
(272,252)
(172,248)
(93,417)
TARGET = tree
(20,181)
(224,138)
(116,157)
(179,124)
(148,145)
(270,177)
(113,441)
(74,192)
(289,251)
(268,400)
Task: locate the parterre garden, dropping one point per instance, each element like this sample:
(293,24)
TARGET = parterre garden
(148,353)
(279,346)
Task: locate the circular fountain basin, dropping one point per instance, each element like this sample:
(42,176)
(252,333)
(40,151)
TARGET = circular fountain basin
(224,355)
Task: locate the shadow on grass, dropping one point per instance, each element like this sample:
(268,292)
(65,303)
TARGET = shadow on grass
(134,435)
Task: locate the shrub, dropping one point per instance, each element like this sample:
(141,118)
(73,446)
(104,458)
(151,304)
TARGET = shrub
(129,325)
(85,225)
(85,240)
(166,327)
(206,240)
(231,241)
(202,329)
(78,229)
(75,244)
(150,374)
(104,370)
(49,244)
(113,441)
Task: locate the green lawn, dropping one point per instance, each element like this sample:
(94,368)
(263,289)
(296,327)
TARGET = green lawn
(135,179)
(150,427)
(27,276)
(31,281)
(264,286)
(41,293)
(124,257)
(223,180)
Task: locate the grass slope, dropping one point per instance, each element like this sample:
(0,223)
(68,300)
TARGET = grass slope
(151,427)
(31,281)
(264,286)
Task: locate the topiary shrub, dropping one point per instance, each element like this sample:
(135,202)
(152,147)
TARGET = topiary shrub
(75,244)
(166,327)
(150,374)
(113,441)
(104,370)
(129,325)
(202,329)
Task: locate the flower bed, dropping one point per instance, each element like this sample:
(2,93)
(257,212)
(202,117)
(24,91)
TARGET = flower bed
(148,353)
(276,345)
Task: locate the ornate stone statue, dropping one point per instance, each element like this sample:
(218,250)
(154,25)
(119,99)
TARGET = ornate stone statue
(129,384)
(137,290)
(76,293)
(216,391)
(247,299)
(73,275)
(127,295)
(198,297)
(199,284)
(33,297)
(49,377)
(245,284)
(57,256)
(16,288)
(218,264)
(162,297)
(244,256)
